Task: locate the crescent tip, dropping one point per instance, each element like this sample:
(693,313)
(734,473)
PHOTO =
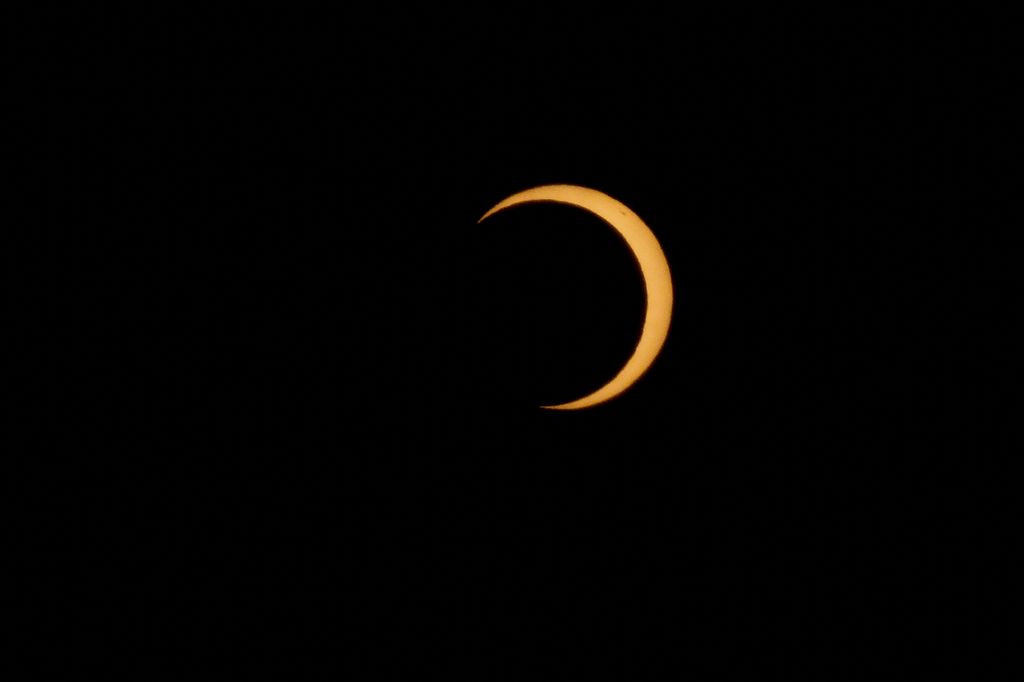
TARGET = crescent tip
(487,215)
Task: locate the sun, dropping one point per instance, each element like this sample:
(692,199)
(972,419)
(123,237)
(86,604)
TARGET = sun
(653,267)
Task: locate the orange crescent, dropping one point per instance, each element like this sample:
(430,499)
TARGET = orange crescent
(653,267)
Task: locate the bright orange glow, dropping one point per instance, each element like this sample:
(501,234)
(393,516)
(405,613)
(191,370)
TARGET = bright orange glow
(653,266)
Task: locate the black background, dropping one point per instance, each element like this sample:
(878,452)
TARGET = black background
(294,383)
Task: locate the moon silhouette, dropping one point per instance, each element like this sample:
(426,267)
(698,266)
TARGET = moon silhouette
(653,267)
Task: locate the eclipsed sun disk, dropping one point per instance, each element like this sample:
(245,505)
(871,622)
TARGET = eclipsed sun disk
(653,266)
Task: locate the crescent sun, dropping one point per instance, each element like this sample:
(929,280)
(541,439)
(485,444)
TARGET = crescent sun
(653,267)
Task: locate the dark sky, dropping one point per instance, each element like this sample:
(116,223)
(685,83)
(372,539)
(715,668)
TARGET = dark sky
(301,381)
